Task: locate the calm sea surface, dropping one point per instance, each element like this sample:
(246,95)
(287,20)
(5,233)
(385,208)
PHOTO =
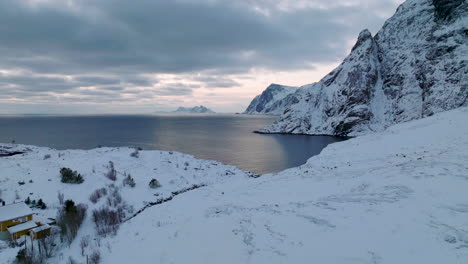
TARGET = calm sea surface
(225,138)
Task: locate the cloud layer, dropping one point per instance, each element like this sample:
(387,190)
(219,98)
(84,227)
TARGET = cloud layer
(104,51)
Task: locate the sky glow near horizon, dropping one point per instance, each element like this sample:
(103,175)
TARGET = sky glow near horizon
(104,56)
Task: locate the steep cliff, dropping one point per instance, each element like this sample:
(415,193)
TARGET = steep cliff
(415,66)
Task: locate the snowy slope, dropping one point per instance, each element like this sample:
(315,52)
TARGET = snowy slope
(272,101)
(393,197)
(175,172)
(397,196)
(415,66)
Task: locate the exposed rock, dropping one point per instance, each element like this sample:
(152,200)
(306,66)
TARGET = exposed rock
(415,66)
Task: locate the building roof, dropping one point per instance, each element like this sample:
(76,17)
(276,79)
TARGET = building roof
(21,227)
(41,228)
(15,210)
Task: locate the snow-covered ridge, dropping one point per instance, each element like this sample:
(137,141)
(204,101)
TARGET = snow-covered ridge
(194,110)
(272,101)
(415,66)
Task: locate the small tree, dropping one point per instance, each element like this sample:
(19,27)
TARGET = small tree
(112,173)
(84,242)
(27,201)
(69,219)
(41,204)
(154,184)
(97,194)
(69,176)
(128,181)
(60,197)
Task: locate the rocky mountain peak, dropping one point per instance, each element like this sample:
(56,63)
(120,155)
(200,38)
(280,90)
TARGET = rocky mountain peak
(364,36)
(413,67)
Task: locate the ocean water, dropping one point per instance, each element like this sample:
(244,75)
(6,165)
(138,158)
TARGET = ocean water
(226,138)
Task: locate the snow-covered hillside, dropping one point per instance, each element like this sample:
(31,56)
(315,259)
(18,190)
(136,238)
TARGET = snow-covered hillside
(397,196)
(393,197)
(272,101)
(35,174)
(415,66)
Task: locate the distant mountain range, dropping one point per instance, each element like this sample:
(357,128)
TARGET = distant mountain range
(194,110)
(415,66)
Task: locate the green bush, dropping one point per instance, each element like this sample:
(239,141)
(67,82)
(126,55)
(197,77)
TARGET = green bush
(154,184)
(69,176)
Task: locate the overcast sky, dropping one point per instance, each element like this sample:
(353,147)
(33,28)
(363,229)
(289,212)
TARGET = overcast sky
(116,56)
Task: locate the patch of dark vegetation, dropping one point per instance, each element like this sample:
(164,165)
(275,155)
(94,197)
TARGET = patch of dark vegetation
(153,184)
(112,173)
(97,194)
(69,176)
(108,218)
(33,204)
(128,180)
(69,219)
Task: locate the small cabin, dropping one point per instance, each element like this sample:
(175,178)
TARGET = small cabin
(20,230)
(40,232)
(12,215)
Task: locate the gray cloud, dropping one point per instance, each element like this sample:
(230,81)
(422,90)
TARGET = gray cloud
(110,44)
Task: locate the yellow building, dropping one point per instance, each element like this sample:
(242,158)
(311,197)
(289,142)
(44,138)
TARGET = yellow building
(40,232)
(17,231)
(12,215)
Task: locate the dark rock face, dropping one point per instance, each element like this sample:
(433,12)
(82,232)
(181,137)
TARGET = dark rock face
(415,66)
(445,9)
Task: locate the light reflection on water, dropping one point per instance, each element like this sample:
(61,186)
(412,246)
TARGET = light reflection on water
(225,138)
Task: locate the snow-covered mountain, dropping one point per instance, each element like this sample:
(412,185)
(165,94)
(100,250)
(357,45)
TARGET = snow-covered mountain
(194,110)
(272,101)
(397,196)
(415,66)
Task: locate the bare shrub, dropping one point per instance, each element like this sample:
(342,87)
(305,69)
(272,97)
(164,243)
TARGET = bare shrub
(95,257)
(153,184)
(107,220)
(135,154)
(112,173)
(60,197)
(97,194)
(31,254)
(69,219)
(114,198)
(128,180)
(46,245)
(46,156)
(84,242)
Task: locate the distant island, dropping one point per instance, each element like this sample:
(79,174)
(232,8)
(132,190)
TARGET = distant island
(194,110)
